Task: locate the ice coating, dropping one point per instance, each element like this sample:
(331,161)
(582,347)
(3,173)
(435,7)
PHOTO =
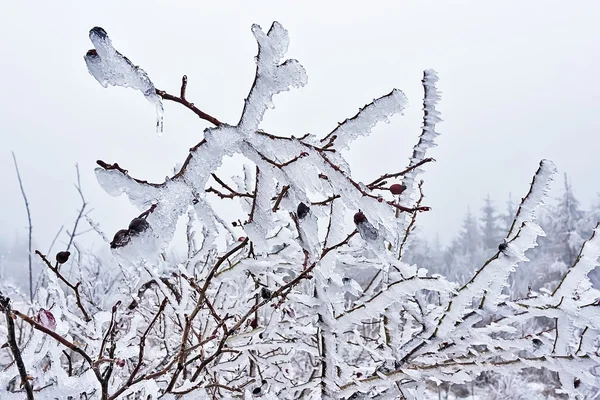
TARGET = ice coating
(422,328)
(110,67)
(380,109)
(431,117)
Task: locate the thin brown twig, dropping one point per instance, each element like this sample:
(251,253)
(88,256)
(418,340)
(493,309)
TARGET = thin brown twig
(280,197)
(413,220)
(81,210)
(142,346)
(377,182)
(30,226)
(75,288)
(365,193)
(182,100)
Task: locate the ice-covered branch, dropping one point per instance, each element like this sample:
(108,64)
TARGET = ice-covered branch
(379,110)
(110,67)
(431,116)
(303,295)
(5,307)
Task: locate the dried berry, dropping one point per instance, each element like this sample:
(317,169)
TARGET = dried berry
(256,390)
(576,382)
(98,31)
(380,199)
(302,210)
(265,293)
(138,225)
(359,217)
(536,342)
(397,189)
(46,319)
(345,280)
(503,246)
(121,238)
(62,257)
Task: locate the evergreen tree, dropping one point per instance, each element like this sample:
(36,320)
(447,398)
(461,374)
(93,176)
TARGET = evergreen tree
(490,232)
(465,252)
(507,218)
(567,226)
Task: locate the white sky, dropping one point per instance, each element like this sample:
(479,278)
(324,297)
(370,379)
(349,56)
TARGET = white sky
(518,81)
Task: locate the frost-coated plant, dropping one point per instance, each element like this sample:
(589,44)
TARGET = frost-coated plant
(307,296)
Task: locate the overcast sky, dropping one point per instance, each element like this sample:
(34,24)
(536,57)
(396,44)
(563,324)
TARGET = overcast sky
(519,83)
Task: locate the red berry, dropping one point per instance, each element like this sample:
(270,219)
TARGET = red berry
(46,319)
(380,199)
(303,154)
(120,362)
(241,238)
(397,189)
(359,217)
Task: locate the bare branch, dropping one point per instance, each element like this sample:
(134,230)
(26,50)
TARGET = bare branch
(30,227)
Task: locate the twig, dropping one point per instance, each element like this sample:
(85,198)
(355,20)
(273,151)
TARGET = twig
(282,194)
(142,346)
(14,348)
(182,100)
(75,288)
(83,206)
(30,226)
(377,182)
(413,220)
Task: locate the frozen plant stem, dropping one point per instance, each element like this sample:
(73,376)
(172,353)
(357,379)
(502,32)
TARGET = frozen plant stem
(12,343)
(30,227)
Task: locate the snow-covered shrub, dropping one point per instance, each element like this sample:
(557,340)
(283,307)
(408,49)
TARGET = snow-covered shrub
(307,296)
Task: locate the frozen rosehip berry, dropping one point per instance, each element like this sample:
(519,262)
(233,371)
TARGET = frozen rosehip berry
(138,225)
(62,257)
(265,293)
(46,319)
(241,238)
(302,210)
(359,217)
(397,189)
(121,238)
(380,199)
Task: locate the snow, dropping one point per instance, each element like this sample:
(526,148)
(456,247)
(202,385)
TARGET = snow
(317,305)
